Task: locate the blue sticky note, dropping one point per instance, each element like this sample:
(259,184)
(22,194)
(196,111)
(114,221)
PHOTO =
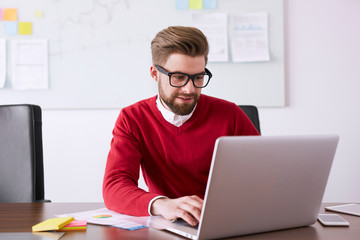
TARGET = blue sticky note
(182,4)
(209,4)
(10,28)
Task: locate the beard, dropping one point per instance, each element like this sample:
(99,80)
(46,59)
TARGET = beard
(179,109)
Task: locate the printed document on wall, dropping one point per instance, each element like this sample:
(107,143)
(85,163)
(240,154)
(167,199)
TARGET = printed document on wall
(214,26)
(29,64)
(249,37)
(2,62)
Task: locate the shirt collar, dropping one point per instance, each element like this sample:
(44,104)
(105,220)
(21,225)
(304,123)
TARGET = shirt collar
(171,117)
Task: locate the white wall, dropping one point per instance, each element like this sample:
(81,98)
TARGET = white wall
(322,45)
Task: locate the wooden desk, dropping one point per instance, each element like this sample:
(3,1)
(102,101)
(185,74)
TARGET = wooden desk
(20,217)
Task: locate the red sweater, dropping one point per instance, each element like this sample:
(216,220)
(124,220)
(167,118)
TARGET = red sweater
(175,161)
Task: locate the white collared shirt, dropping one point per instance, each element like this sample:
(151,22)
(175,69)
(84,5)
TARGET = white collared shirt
(171,117)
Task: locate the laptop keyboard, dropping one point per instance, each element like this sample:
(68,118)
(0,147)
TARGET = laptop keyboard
(183,223)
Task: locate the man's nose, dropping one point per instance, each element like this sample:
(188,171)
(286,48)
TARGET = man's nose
(189,87)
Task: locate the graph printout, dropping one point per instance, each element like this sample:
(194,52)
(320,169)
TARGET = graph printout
(249,37)
(214,26)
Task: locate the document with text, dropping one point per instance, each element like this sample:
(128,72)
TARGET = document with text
(2,62)
(214,26)
(29,64)
(249,37)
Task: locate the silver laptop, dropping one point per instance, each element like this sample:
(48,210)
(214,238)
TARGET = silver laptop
(259,184)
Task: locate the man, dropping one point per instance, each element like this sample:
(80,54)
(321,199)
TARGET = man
(172,135)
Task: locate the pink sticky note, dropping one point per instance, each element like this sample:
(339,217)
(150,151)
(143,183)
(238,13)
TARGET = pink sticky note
(77,223)
(0,14)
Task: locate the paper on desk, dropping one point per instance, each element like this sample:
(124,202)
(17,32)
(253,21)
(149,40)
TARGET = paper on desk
(104,216)
(31,236)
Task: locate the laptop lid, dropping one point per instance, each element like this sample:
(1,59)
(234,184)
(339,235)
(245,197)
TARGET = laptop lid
(264,183)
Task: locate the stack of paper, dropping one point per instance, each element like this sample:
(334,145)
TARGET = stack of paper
(52,224)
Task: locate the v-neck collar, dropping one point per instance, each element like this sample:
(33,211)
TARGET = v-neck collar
(162,119)
(174,119)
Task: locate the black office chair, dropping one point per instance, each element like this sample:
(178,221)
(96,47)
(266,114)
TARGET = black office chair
(21,154)
(253,114)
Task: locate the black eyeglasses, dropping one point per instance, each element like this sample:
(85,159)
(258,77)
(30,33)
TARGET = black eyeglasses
(179,79)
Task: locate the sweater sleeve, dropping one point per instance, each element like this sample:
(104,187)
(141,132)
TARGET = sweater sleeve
(120,186)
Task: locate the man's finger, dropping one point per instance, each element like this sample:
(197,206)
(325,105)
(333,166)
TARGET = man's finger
(187,217)
(192,210)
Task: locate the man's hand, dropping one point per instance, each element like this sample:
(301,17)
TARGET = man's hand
(188,208)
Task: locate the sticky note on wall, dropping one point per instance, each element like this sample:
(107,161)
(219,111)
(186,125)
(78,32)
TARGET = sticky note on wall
(195,4)
(210,4)
(25,28)
(1,14)
(10,14)
(182,4)
(38,14)
(10,28)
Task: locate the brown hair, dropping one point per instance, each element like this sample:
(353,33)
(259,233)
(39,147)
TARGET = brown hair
(178,39)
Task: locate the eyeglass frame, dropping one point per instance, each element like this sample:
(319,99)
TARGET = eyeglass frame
(192,77)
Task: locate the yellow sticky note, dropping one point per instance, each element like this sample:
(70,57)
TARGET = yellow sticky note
(195,4)
(52,224)
(25,28)
(38,14)
(10,14)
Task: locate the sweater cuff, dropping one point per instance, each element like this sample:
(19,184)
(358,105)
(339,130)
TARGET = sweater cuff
(151,202)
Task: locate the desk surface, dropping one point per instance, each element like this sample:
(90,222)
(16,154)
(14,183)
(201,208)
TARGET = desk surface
(20,217)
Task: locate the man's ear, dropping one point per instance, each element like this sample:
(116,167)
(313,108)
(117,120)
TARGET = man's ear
(154,73)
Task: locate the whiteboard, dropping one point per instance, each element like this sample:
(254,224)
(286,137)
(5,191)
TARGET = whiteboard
(99,53)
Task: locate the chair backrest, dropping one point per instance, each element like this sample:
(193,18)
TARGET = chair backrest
(21,154)
(253,114)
